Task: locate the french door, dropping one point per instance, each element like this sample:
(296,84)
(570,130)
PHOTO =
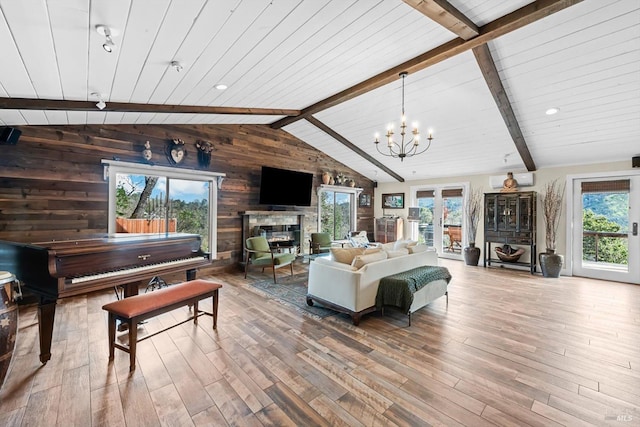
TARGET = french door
(605,236)
(440,220)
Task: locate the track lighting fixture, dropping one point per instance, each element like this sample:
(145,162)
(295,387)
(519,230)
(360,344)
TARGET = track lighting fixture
(100,104)
(177,66)
(105,31)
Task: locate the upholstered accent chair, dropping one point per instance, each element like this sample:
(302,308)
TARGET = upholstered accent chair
(260,254)
(320,243)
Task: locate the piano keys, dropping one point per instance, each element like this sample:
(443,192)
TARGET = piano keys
(60,269)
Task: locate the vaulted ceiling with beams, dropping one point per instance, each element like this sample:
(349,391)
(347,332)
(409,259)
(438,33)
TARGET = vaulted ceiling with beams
(482,73)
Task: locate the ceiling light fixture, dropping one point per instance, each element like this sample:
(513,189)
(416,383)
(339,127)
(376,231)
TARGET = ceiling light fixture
(105,31)
(177,66)
(551,111)
(403,149)
(100,104)
(221,86)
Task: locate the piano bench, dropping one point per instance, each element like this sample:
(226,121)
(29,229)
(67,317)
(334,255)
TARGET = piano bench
(137,308)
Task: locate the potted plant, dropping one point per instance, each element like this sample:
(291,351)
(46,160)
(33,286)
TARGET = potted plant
(472,211)
(551,198)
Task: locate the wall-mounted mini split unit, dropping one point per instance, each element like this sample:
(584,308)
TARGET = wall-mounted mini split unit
(9,135)
(524,179)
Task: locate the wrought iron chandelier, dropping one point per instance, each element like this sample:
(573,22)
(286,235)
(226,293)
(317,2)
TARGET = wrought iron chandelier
(403,149)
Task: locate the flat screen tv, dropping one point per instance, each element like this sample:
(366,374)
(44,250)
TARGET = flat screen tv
(282,187)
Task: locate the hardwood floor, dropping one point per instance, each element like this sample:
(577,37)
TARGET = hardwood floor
(509,349)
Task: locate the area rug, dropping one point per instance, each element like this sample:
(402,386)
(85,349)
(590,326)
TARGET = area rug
(292,290)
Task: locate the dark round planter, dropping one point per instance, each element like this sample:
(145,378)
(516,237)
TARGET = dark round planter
(471,254)
(551,263)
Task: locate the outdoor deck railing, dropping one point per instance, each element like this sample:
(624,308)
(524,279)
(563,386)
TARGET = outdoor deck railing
(597,235)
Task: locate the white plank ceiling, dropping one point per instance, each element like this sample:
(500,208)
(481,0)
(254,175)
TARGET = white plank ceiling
(290,54)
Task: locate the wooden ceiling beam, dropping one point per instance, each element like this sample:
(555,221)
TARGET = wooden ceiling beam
(443,13)
(517,19)
(491,76)
(64,105)
(351,146)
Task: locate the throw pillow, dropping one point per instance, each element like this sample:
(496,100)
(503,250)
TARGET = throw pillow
(402,244)
(362,260)
(417,249)
(388,246)
(398,253)
(334,264)
(345,255)
(359,241)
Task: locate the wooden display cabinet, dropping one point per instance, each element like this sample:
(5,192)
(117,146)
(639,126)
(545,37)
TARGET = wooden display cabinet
(510,218)
(389,229)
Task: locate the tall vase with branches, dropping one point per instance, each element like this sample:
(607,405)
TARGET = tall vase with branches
(472,211)
(552,198)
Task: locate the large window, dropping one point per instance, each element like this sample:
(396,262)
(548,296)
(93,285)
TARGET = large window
(152,199)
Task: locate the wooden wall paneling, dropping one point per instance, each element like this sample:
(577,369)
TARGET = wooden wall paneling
(52,185)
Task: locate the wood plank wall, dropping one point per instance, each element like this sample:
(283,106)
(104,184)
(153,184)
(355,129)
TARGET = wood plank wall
(52,186)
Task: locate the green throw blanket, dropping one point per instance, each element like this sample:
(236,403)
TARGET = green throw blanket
(397,290)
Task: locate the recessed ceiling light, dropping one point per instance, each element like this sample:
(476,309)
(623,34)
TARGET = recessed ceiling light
(551,111)
(221,86)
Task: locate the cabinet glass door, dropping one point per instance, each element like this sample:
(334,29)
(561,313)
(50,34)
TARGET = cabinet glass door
(507,213)
(490,213)
(525,214)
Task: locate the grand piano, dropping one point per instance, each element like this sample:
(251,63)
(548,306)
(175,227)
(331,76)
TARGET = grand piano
(60,269)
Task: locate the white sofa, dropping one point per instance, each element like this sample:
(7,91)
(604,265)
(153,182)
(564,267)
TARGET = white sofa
(353,291)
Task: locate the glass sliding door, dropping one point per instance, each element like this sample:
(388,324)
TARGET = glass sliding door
(605,238)
(189,207)
(336,213)
(426,203)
